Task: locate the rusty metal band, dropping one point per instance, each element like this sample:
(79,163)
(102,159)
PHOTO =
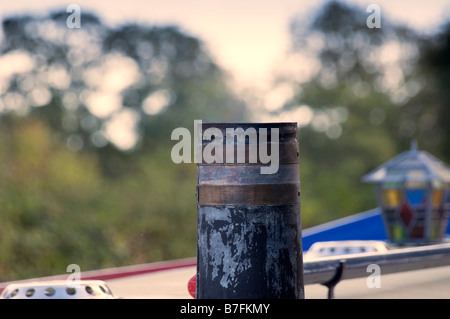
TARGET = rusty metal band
(288,154)
(249,194)
(246,174)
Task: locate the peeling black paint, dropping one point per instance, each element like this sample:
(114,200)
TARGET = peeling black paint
(250,252)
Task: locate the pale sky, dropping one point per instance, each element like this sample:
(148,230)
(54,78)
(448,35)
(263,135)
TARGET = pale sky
(248,38)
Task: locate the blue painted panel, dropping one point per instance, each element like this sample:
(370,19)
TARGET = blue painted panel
(363,226)
(415,196)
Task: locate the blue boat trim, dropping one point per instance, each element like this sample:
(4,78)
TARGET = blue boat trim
(367,225)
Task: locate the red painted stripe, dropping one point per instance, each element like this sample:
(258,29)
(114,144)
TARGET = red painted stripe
(115,273)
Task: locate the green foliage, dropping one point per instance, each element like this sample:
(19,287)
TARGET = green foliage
(58,209)
(69,192)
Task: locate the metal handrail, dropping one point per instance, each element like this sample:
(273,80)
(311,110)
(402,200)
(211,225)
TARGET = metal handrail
(329,271)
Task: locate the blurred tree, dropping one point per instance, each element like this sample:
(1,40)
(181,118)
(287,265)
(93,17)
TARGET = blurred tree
(126,87)
(363,86)
(86,117)
(435,63)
